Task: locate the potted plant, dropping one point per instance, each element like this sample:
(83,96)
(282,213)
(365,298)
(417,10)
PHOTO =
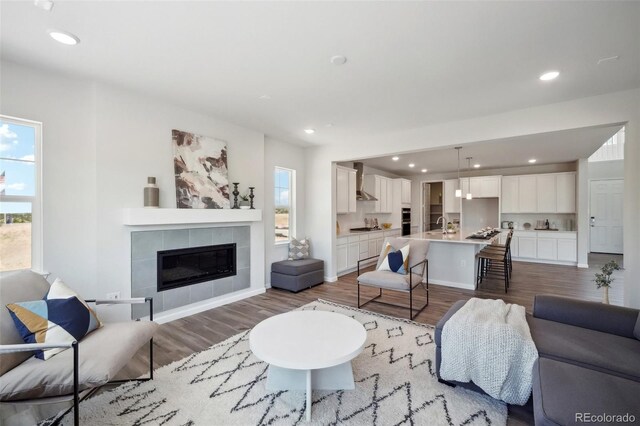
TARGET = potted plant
(604,279)
(244,202)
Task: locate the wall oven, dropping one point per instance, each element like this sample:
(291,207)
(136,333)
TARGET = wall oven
(406,221)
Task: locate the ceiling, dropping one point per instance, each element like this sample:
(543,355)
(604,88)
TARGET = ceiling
(547,148)
(410,64)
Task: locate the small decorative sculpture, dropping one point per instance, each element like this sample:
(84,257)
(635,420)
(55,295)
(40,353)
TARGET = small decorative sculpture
(235,195)
(251,188)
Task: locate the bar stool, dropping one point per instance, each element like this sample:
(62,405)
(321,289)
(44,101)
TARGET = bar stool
(495,261)
(499,248)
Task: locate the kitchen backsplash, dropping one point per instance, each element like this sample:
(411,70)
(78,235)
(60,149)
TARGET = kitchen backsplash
(356,220)
(562,222)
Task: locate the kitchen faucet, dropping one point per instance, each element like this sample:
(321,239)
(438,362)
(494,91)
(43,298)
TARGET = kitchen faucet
(444,223)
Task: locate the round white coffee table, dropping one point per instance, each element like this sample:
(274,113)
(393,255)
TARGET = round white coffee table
(308,350)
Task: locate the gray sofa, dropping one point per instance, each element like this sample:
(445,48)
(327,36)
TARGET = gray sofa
(589,361)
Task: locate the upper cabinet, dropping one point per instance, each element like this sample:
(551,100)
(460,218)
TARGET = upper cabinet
(566,193)
(481,186)
(542,193)
(451,203)
(382,188)
(405,191)
(345,190)
(485,186)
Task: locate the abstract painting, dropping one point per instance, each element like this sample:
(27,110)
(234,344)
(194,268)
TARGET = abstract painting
(200,165)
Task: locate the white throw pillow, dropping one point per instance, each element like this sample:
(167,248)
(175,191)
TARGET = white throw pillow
(395,261)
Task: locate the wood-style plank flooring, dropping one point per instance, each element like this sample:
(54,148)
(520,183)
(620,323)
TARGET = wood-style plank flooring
(185,336)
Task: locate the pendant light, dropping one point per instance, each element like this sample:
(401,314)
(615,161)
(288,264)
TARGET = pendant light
(458,191)
(469,196)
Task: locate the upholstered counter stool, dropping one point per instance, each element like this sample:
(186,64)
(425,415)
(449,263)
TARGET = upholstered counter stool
(297,275)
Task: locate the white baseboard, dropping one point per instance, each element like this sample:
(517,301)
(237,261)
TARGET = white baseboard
(583,265)
(332,279)
(452,284)
(548,262)
(205,305)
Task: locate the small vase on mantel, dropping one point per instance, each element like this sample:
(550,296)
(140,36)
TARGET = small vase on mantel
(151,193)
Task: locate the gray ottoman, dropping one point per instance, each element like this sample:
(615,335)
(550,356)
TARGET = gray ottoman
(296,275)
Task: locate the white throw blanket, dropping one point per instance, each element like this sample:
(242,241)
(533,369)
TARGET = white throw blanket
(489,342)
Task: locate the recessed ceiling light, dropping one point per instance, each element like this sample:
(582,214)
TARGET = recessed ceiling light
(412,165)
(64,37)
(424,170)
(396,158)
(309,131)
(533,160)
(549,75)
(476,166)
(338,60)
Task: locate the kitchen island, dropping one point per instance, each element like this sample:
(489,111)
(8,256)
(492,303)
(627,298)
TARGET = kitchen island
(452,257)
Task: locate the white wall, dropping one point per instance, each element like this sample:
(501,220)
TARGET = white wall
(619,107)
(479,213)
(606,169)
(282,154)
(100,144)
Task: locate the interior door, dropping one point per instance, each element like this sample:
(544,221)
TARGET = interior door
(606,201)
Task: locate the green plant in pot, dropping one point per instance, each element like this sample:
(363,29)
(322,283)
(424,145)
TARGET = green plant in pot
(604,278)
(244,201)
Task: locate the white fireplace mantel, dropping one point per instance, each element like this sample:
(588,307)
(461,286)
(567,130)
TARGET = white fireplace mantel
(161,216)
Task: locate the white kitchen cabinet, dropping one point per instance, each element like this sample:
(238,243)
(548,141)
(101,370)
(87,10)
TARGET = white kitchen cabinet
(345,190)
(464,185)
(353,254)
(382,188)
(547,248)
(566,193)
(451,202)
(405,191)
(372,248)
(509,196)
(546,193)
(567,250)
(540,193)
(342,257)
(527,247)
(527,194)
(364,250)
(484,187)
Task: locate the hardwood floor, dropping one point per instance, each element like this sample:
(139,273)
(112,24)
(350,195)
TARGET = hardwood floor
(182,337)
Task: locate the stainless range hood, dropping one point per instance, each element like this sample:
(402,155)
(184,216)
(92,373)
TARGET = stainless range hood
(361,195)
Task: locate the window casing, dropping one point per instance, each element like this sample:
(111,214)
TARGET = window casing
(20,194)
(284,203)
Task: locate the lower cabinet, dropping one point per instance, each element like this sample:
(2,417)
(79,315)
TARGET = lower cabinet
(547,246)
(527,247)
(350,249)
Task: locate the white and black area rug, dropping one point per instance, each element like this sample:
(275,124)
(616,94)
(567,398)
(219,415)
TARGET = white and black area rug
(225,385)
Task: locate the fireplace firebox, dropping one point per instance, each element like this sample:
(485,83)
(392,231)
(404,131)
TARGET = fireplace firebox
(183,267)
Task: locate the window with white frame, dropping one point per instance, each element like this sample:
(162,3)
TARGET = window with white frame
(20,194)
(612,149)
(284,189)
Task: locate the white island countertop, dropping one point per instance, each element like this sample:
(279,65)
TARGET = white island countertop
(459,237)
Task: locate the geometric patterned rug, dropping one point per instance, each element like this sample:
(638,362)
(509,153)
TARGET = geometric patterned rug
(225,385)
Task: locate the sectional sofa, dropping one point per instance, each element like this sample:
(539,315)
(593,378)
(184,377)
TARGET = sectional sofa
(588,370)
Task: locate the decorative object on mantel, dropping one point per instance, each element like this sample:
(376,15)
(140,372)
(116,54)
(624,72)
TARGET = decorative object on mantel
(200,167)
(244,202)
(151,193)
(603,279)
(235,195)
(251,188)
